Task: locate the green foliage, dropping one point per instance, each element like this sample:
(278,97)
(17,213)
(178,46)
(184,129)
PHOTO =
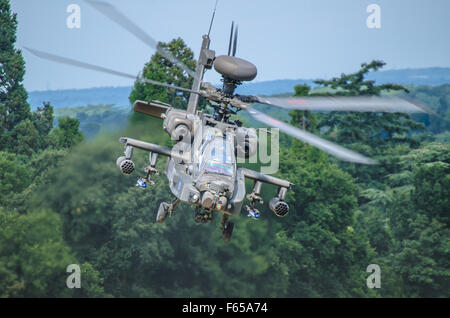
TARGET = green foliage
(377,130)
(14,176)
(91,283)
(301,90)
(320,229)
(354,84)
(43,119)
(96,119)
(21,131)
(432,190)
(33,256)
(13,105)
(408,224)
(303,118)
(37,173)
(438,100)
(67,133)
(162,70)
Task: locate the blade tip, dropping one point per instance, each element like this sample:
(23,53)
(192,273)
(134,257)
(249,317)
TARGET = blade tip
(369,161)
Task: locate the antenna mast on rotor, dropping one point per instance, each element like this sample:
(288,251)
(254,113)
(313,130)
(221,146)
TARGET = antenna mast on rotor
(205,61)
(212,18)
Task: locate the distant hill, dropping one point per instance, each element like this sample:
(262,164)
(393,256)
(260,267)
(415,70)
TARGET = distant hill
(95,118)
(81,97)
(119,95)
(433,76)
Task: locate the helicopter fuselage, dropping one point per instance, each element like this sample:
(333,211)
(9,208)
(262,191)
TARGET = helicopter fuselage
(203,170)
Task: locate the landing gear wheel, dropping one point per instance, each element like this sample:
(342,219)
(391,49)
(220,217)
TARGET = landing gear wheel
(227,231)
(163,211)
(227,228)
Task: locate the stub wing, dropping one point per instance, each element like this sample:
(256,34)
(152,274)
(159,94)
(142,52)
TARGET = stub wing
(154,108)
(161,150)
(258,176)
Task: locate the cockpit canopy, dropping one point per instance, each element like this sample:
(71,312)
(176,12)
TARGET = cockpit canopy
(217,156)
(215,167)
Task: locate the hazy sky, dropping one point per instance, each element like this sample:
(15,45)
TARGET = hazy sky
(285,39)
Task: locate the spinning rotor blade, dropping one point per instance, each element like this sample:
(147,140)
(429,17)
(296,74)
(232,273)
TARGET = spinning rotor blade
(325,145)
(344,103)
(64,60)
(116,16)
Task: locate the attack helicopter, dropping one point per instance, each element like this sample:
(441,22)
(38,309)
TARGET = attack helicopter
(202,165)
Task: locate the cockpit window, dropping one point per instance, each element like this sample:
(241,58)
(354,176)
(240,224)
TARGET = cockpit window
(220,152)
(215,167)
(218,157)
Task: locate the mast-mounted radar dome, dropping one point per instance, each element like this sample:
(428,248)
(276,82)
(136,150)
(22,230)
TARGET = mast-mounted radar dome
(235,68)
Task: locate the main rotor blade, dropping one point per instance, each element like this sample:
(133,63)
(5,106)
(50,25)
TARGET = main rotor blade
(64,60)
(325,145)
(344,103)
(116,16)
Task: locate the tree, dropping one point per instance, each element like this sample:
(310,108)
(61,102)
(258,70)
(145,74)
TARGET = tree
(305,118)
(43,121)
(14,176)
(408,224)
(14,107)
(421,237)
(21,131)
(162,70)
(320,229)
(21,178)
(438,99)
(25,138)
(376,130)
(34,258)
(67,133)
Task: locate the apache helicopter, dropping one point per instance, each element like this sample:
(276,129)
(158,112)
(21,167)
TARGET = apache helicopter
(201,167)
